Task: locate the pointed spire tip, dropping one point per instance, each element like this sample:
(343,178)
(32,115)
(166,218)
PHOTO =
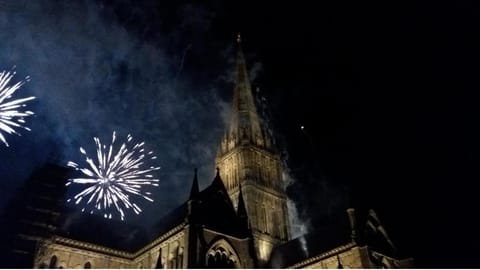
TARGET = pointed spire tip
(195,188)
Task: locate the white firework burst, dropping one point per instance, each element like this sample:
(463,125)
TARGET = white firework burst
(11,114)
(114,178)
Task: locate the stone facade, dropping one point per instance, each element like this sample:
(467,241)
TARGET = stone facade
(351,256)
(347,256)
(59,252)
(168,251)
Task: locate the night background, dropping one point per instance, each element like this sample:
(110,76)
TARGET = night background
(387,94)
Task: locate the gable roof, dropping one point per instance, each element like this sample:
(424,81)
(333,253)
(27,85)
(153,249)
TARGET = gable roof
(216,211)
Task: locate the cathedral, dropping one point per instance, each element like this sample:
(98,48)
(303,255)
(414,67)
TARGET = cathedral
(241,220)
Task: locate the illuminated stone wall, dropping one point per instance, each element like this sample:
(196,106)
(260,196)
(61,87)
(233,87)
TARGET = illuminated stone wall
(67,253)
(62,255)
(259,172)
(173,251)
(353,256)
(250,164)
(347,256)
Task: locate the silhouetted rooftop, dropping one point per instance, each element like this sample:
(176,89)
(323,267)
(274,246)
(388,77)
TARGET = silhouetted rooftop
(323,239)
(213,210)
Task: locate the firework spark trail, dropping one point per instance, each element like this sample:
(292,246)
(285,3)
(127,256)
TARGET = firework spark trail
(11,114)
(114,178)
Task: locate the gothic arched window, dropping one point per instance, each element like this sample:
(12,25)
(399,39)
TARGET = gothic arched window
(180,258)
(173,256)
(264,218)
(220,260)
(276,223)
(53,262)
(222,255)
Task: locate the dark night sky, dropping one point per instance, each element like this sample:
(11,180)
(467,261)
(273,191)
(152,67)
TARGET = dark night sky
(387,93)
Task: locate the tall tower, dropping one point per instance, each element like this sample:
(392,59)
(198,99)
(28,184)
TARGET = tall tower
(248,159)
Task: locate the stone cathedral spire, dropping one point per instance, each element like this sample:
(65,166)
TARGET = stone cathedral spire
(248,160)
(244,122)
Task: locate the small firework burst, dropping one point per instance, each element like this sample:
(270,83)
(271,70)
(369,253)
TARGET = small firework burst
(114,178)
(11,110)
